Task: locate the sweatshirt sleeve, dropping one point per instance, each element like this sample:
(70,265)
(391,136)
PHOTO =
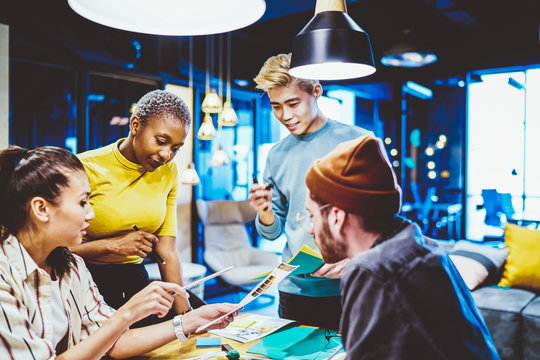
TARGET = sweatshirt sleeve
(279,205)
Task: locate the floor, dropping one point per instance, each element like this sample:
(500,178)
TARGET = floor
(266,304)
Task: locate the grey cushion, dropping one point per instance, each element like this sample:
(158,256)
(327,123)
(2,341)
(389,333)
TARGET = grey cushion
(501,309)
(477,263)
(531,330)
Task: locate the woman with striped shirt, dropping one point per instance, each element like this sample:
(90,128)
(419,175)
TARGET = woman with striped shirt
(49,305)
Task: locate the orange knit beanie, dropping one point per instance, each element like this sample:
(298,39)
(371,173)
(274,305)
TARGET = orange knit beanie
(357,177)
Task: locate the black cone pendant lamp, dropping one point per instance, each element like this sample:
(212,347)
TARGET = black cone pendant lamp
(331,46)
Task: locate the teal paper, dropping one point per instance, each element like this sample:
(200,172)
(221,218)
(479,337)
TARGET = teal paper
(208,341)
(306,263)
(300,343)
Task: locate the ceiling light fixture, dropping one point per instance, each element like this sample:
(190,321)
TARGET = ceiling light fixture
(211,102)
(331,46)
(207,130)
(172,17)
(228,116)
(219,158)
(408,52)
(189,176)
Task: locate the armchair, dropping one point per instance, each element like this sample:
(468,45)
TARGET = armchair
(227,243)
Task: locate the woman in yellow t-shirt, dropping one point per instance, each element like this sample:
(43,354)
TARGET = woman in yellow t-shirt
(134,182)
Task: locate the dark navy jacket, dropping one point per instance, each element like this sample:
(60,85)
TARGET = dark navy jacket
(404,299)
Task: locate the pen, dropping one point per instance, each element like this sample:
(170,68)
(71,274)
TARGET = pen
(161,260)
(267,187)
(206,278)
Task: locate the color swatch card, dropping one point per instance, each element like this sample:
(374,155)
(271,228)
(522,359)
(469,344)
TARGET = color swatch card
(307,260)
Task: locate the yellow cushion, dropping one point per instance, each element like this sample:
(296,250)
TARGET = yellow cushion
(522,267)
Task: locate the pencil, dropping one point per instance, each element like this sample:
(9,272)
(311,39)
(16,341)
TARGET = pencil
(195,283)
(156,254)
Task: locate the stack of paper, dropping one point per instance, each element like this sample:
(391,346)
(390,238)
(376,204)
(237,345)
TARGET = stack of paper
(251,327)
(301,343)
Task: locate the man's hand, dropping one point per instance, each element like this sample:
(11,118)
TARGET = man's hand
(260,200)
(332,271)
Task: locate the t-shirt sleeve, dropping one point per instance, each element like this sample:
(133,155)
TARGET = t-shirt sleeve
(88,170)
(169,224)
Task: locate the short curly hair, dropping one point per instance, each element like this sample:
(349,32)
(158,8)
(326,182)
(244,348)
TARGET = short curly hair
(161,102)
(275,73)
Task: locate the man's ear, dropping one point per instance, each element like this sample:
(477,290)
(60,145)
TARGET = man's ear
(317,91)
(39,208)
(337,217)
(341,216)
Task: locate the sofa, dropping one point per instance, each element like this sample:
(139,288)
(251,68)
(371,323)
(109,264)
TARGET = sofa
(513,319)
(505,282)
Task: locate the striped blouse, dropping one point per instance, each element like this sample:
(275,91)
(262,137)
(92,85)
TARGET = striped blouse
(26,329)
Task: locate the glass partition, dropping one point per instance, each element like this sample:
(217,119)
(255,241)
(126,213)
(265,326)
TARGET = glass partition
(43,105)
(109,107)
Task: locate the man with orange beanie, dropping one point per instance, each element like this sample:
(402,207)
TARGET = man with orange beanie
(402,297)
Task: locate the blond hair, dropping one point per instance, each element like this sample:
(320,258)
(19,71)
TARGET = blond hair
(275,73)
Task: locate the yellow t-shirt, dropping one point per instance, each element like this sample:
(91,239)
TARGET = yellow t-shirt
(123,194)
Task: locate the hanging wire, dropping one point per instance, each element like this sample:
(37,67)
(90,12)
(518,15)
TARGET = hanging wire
(191,62)
(220,91)
(207,65)
(212,45)
(229,67)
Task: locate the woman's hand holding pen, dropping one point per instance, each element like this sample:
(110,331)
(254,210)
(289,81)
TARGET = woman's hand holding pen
(135,243)
(156,298)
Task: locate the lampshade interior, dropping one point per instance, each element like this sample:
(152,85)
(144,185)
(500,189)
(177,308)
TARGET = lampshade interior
(172,17)
(409,59)
(332,71)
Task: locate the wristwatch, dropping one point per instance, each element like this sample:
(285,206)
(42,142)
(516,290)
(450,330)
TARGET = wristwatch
(177,323)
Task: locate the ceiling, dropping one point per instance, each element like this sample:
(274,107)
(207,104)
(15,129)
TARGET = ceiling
(465,34)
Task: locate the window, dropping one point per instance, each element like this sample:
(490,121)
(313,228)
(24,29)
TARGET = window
(503,152)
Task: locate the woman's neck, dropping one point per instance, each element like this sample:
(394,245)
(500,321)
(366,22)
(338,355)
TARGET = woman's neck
(126,149)
(37,248)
